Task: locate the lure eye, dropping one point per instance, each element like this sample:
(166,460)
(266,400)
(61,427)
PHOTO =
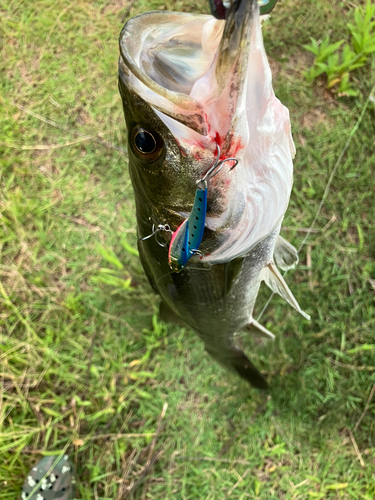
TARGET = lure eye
(145,142)
(146,145)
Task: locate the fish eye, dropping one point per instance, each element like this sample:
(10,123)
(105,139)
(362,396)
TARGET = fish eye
(145,142)
(146,145)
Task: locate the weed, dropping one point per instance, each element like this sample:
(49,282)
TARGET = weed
(338,66)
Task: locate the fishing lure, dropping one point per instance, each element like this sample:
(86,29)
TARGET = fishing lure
(187,238)
(219,8)
(266,6)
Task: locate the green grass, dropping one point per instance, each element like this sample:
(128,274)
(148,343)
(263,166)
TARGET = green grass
(85,364)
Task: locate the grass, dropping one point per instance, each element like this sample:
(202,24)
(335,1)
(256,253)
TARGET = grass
(86,367)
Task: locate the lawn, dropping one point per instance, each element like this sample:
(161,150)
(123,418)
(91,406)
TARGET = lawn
(86,366)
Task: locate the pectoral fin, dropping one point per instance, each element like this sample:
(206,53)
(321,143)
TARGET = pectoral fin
(285,255)
(273,279)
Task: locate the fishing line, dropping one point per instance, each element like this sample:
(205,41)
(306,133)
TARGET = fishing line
(370,98)
(205,266)
(97,139)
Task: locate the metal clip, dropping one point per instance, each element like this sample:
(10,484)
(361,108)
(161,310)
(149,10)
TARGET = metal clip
(219,8)
(156,231)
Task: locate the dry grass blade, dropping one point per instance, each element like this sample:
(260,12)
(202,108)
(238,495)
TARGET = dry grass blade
(143,474)
(359,455)
(46,147)
(152,458)
(309,267)
(353,367)
(16,311)
(337,164)
(235,461)
(64,11)
(95,138)
(366,408)
(119,436)
(228,495)
(111,317)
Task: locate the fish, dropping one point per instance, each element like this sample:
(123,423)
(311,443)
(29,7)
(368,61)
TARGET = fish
(197,91)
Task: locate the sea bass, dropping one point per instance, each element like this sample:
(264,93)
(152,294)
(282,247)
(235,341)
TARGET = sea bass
(196,93)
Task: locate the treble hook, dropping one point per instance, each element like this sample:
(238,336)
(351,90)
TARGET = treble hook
(216,167)
(156,231)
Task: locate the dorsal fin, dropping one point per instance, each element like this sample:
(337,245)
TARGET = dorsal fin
(273,279)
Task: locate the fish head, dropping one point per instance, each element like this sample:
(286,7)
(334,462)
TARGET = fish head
(192,87)
(163,169)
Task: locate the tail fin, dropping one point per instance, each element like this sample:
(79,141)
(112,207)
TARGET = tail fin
(231,357)
(246,370)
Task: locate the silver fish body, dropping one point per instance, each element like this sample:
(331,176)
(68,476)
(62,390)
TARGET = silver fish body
(191,85)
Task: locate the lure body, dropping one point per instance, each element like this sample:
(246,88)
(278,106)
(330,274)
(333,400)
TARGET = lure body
(187,238)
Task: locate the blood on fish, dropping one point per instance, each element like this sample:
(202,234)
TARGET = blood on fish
(228,144)
(219,141)
(229,147)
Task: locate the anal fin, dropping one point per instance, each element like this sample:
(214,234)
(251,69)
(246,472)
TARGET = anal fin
(273,279)
(259,330)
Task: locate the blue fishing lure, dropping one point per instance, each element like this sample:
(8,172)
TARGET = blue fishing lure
(187,238)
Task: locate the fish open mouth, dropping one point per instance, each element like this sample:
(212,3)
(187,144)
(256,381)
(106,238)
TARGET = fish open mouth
(163,55)
(190,67)
(210,83)
(179,55)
